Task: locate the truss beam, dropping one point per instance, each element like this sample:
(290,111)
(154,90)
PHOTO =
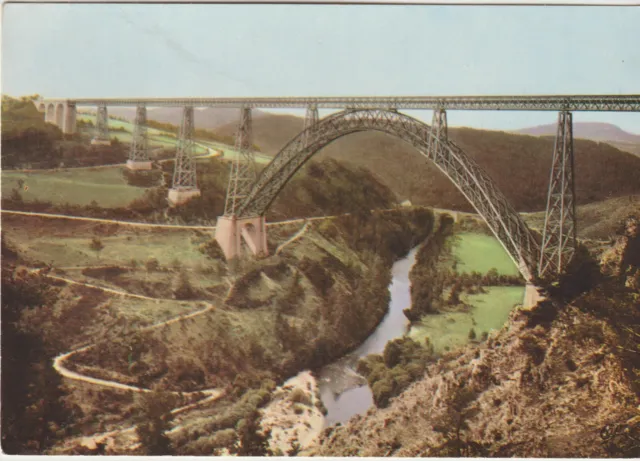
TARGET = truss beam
(243,170)
(555,103)
(310,120)
(102,125)
(140,144)
(184,173)
(439,133)
(559,232)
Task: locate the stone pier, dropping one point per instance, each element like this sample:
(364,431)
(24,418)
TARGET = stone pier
(180,196)
(230,231)
(138,165)
(531,296)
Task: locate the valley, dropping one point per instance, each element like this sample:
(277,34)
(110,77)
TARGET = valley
(379,298)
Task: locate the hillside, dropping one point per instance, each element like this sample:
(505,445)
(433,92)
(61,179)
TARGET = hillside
(519,164)
(595,131)
(28,142)
(602,132)
(211,117)
(599,220)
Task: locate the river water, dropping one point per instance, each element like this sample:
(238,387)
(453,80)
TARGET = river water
(344,392)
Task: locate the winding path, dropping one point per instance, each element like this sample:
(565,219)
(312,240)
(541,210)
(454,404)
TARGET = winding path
(295,237)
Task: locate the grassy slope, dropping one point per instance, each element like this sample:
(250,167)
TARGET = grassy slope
(480,253)
(451,329)
(518,163)
(597,220)
(104,185)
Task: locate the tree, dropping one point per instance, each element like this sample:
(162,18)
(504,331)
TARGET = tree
(453,425)
(32,409)
(152,265)
(252,442)
(155,408)
(97,246)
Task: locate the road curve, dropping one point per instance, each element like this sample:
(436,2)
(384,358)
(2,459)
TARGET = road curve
(295,237)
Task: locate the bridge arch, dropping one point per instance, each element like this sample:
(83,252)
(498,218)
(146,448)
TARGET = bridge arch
(59,120)
(464,172)
(50,114)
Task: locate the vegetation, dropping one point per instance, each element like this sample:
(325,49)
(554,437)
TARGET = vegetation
(33,411)
(428,279)
(97,246)
(71,190)
(155,410)
(402,362)
(142,178)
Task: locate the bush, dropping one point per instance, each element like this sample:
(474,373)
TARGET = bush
(300,396)
(223,438)
(382,393)
(142,178)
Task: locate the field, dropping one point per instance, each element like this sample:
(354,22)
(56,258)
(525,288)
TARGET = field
(74,186)
(479,253)
(490,311)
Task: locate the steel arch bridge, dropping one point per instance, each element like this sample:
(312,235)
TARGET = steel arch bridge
(432,143)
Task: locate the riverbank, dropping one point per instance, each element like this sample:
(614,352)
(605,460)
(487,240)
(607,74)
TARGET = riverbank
(293,416)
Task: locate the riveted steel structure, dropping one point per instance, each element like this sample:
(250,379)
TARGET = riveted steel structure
(243,167)
(439,130)
(184,173)
(470,179)
(102,125)
(310,120)
(140,144)
(556,103)
(559,233)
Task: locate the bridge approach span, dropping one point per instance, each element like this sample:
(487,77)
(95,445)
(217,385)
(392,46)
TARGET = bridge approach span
(611,103)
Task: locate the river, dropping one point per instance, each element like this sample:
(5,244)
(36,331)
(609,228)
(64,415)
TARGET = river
(344,392)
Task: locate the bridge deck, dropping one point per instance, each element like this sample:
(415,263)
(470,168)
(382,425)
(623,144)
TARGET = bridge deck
(608,103)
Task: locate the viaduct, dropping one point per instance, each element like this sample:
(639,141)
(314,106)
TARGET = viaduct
(250,194)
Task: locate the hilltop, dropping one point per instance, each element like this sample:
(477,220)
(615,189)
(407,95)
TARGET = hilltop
(595,131)
(519,164)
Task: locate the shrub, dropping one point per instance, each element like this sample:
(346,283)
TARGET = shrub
(223,438)
(382,393)
(300,396)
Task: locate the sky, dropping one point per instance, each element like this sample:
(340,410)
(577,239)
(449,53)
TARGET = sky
(142,50)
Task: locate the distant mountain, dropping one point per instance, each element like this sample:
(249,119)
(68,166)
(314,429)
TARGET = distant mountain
(518,164)
(595,131)
(209,118)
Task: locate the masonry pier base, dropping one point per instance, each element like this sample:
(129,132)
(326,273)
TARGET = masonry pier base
(231,230)
(100,142)
(180,196)
(137,165)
